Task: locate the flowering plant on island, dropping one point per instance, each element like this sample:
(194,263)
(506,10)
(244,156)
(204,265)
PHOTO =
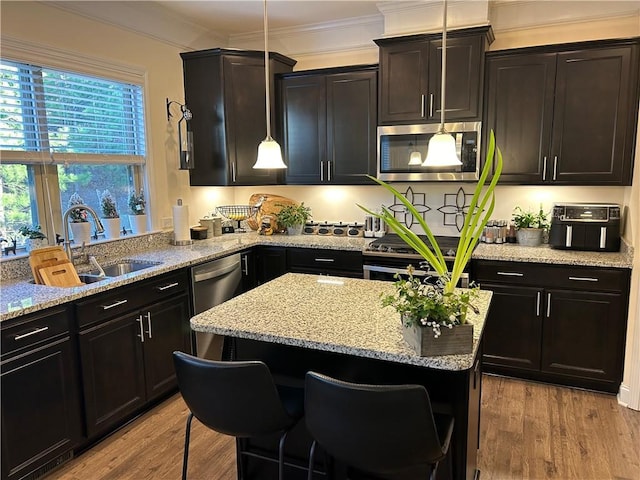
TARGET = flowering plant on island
(427,304)
(77,215)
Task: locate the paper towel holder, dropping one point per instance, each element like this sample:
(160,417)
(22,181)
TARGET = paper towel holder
(180,243)
(186,150)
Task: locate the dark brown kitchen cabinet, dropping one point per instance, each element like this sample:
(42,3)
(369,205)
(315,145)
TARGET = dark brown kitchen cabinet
(126,339)
(329,125)
(565,114)
(41,413)
(556,323)
(410,76)
(225,91)
(271,262)
(325,262)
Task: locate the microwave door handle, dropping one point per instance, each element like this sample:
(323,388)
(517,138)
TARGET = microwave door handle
(459,145)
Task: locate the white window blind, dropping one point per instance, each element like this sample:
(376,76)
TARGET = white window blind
(49,115)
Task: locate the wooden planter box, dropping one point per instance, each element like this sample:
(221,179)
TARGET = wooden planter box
(452,341)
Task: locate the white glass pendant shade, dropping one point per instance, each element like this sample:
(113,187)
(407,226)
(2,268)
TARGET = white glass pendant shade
(415,158)
(269,155)
(442,151)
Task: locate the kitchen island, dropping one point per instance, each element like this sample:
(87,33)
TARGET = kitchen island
(337,326)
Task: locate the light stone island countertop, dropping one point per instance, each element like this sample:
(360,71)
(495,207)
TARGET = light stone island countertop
(20,296)
(335,314)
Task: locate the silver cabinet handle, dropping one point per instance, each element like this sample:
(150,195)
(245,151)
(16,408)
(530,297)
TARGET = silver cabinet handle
(167,287)
(538,304)
(118,303)
(548,305)
(245,262)
(33,332)
(233,172)
(148,315)
(422,105)
(544,168)
(322,170)
(329,171)
(511,274)
(584,279)
(430,105)
(555,166)
(141,335)
(326,260)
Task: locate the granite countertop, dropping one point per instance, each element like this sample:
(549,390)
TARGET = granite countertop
(20,296)
(334,314)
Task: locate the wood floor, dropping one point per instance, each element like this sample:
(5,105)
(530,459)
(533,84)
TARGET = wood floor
(528,431)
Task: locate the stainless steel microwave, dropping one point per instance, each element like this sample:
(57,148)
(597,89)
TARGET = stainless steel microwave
(399,143)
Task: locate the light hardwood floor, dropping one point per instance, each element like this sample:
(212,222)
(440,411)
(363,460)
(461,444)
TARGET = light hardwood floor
(528,431)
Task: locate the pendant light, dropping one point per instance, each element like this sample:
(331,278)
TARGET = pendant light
(269,153)
(415,158)
(442,146)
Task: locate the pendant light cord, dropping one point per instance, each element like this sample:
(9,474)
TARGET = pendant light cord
(266,73)
(444,66)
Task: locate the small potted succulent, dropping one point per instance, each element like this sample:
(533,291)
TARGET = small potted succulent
(34,238)
(293,217)
(530,226)
(80,226)
(109,215)
(137,212)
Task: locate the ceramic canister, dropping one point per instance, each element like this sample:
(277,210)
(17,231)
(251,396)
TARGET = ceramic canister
(325,228)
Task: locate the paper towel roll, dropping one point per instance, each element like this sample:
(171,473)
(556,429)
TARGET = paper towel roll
(181,230)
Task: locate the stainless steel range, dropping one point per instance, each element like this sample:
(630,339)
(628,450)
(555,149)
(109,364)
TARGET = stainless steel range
(386,256)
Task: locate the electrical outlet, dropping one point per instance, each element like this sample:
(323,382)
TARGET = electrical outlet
(167,222)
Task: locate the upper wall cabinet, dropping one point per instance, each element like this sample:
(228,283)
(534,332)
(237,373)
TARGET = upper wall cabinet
(329,125)
(225,91)
(410,76)
(565,114)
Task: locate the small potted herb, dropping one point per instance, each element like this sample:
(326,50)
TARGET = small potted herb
(137,212)
(530,226)
(34,238)
(109,215)
(293,217)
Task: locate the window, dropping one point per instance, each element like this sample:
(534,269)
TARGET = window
(62,133)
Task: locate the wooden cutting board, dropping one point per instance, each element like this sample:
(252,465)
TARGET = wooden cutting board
(61,274)
(270,206)
(42,257)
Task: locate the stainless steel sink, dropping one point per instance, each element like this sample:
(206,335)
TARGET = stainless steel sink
(127,266)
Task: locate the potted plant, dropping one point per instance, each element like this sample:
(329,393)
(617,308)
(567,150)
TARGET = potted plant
(444,297)
(80,226)
(34,238)
(137,210)
(530,226)
(293,217)
(109,215)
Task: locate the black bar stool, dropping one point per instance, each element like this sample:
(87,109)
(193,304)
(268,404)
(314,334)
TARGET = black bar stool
(388,431)
(239,399)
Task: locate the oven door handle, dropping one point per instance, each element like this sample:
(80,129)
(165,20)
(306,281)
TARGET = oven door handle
(380,269)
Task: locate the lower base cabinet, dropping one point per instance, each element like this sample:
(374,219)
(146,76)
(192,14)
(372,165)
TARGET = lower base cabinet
(556,323)
(41,414)
(126,358)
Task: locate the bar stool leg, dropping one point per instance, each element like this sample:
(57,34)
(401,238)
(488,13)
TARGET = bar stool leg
(187,436)
(281,456)
(312,453)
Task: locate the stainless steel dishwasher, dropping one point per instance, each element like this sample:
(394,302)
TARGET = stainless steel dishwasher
(213,283)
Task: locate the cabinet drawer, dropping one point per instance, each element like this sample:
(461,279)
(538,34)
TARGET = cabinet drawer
(165,286)
(559,276)
(33,329)
(315,259)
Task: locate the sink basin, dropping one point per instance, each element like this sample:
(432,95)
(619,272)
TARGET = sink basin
(90,278)
(127,266)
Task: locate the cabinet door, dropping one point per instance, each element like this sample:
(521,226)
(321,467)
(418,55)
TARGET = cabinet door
(404,69)
(583,334)
(249,273)
(351,127)
(271,263)
(244,103)
(463,92)
(513,329)
(40,408)
(112,371)
(592,135)
(519,109)
(166,327)
(304,128)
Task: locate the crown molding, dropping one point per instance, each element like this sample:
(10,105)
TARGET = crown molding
(147,19)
